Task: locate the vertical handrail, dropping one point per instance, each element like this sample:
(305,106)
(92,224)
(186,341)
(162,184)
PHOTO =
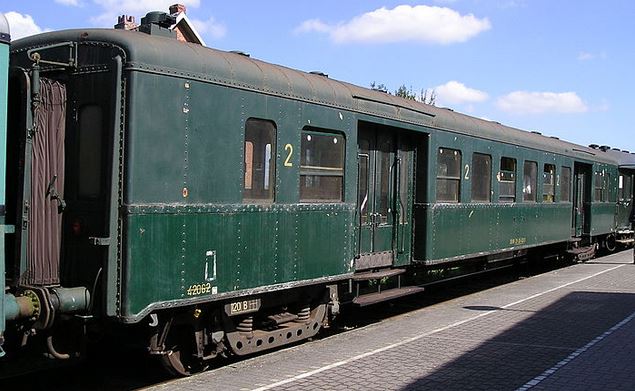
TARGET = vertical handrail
(112,276)
(401,228)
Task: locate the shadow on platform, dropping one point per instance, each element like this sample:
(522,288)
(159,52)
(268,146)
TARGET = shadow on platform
(535,344)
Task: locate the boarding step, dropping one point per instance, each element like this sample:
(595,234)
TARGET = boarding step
(625,241)
(388,294)
(582,254)
(376,275)
(575,240)
(625,232)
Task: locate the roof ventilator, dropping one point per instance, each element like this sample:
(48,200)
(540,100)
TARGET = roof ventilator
(319,73)
(240,53)
(604,148)
(158,23)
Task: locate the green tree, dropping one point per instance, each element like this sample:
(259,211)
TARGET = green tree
(405,93)
(427,96)
(378,87)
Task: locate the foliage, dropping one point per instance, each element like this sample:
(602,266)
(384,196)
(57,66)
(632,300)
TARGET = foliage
(379,87)
(428,96)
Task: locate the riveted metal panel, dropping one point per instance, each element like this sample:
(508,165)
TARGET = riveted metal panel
(188,252)
(456,230)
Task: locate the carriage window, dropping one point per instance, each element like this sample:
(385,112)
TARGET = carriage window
(530,174)
(448,175)
(625,187)
(481,177)
(321,167)
(90,146)
(507,180)
(565,184)
(599,186)
(259,164)
(548,190)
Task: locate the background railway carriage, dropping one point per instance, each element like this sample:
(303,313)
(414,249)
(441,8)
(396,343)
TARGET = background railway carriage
(223,205)
(624,218)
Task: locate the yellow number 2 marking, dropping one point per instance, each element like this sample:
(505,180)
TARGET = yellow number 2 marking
(287,162)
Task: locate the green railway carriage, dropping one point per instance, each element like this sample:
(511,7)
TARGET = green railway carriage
(226,206)
(625,216)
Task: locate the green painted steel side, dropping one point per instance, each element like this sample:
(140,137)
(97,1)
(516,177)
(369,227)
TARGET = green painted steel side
(625,204)
(187,235)
(183,193)
(198,129)
(187,253)
(603,216)
(4,86)
(457,230)
(450,230)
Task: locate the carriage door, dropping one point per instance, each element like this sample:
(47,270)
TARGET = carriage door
(88,146)
(384,194)
(582,199)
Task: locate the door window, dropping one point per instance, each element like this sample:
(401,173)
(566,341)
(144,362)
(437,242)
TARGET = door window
(565,184)
(385,169)
(90,149)
(625,187)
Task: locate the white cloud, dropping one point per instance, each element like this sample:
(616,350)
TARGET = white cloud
(114,8)
(313,25)
(454,92)
(73,3)
(586,56)
(22,25)
(525,102)
(210,26)
(513,4)
(430,24)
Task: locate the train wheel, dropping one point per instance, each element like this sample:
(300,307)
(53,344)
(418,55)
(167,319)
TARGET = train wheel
(610,244)
(180,359)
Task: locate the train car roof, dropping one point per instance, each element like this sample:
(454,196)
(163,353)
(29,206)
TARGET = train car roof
(196,62)
(625,159)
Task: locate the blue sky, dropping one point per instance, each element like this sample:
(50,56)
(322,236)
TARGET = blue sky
(563,68)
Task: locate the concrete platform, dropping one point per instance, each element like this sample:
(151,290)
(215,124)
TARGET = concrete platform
(570,329)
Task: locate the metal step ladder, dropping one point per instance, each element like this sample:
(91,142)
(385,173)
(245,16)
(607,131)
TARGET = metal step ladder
(381,295)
